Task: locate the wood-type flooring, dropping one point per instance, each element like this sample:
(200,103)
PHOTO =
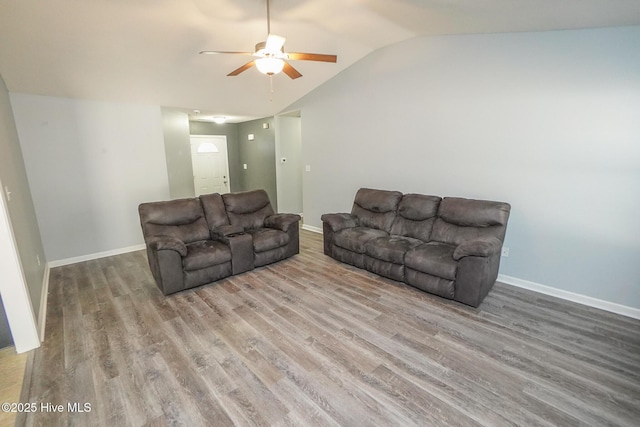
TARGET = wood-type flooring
(312,342)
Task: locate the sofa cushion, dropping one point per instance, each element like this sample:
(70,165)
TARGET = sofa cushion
(355,239)
(182,219)
(205,254)
(466,219)
(416,215)
(265,239)
(376,208)
(473,213)
(391,248)
(433,258)
(248,209)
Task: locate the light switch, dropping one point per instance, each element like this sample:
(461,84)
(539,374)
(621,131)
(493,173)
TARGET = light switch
(244,166)
(251,137)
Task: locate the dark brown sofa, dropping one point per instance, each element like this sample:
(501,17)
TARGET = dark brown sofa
(449,247)
(195,241)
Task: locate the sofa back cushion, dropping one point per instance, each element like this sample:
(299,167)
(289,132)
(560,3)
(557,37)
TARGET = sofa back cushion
(214,210)
(182,218)
(248,209)
(465,219)
(416,215)
(376,208)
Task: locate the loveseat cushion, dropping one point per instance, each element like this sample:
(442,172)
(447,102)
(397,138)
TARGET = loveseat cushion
(376,208)
(248,209)
(265,239)
(181,218)
(355,239)
(433,258)
(391,248)
(205,254)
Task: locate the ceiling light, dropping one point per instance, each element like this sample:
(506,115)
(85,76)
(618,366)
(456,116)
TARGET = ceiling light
(219,119)
(269,65)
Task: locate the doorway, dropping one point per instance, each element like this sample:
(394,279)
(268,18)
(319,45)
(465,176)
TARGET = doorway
(210,164)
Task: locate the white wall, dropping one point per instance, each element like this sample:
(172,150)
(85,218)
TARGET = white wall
(89,165)
(177,148)
(289,173)
(549,122)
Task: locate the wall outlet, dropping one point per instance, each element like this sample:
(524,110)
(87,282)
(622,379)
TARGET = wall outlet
(307,168)
(505,251)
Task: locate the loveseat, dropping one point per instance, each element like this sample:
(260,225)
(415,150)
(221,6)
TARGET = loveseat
(449,247)
(199,240)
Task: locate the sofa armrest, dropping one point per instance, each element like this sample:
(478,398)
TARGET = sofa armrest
(159,243)
(281,221)
(339,221)
(226,231)
(483,247)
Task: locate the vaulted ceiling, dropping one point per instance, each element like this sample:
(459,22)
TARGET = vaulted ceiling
(146,51)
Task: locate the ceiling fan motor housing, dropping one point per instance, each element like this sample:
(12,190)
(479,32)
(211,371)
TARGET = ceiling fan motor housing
(261,50)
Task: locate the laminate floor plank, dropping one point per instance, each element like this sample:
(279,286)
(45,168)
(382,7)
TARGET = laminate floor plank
(311,341)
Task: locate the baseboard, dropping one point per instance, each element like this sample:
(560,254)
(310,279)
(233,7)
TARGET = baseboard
(89,257)
(571,296)
(509,280)
(312,228)
(42,311)
(555,292)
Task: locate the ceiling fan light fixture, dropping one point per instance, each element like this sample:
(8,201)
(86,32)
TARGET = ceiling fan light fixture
(271,56)
(269,65)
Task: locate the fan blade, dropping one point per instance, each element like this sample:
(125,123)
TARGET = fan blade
(297,56)
(217,52)
(245,67)
(290,71)
(274,43)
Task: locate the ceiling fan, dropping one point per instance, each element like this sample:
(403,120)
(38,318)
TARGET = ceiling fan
(271,57)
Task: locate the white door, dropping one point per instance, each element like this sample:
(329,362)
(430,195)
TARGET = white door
(210,164)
